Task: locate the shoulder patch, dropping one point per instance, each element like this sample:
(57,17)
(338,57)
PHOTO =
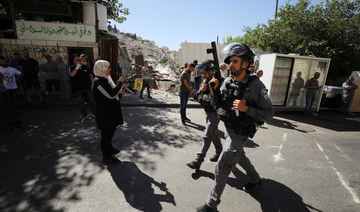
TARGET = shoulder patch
(264,93)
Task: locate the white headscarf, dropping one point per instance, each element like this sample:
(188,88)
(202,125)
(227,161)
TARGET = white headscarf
(99,70)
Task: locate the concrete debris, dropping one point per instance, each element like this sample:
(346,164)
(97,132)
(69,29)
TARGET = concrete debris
(163,60)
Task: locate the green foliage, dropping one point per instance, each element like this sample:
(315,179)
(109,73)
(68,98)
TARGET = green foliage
(329,29)
(115,10)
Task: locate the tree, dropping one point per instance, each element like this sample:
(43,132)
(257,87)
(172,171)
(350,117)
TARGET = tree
(329,29)
(115,10)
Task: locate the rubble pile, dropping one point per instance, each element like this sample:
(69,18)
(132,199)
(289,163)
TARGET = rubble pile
(162,60)
(135,45)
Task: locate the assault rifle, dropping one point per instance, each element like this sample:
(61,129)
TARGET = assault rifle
(213,51)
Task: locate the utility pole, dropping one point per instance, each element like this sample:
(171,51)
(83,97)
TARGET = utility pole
(276,8)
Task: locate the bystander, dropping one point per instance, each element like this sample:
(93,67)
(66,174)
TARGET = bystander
(82,79)
(184,93)
(348,90)
(30,70)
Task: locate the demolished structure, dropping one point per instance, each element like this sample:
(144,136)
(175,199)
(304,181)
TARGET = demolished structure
(133,51)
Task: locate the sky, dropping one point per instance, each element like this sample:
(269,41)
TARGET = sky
(171,22)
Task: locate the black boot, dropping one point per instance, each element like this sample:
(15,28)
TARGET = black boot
(194,164)
(218,150)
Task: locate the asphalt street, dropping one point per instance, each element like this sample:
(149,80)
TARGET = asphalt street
(54,163)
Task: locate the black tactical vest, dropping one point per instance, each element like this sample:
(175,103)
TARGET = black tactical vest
(234,119)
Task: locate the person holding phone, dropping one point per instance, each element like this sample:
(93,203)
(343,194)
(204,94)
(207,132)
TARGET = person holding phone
(82,78)
(107,108)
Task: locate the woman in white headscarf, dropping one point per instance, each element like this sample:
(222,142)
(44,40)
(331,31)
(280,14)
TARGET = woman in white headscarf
(107,108)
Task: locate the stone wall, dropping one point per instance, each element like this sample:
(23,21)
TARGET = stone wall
(38,49)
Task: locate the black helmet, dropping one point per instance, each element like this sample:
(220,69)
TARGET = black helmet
(240,50)
(207,65)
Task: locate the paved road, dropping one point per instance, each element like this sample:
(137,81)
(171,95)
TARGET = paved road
(54,164)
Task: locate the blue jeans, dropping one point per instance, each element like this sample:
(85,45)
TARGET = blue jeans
(345,101)
(309,103)
(197,83)
(184,97)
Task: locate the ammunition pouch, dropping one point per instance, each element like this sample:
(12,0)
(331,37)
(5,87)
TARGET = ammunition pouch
(224,115)
(205,101)
(243,125)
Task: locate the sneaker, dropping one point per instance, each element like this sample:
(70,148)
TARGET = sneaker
(214,158)
(110,160)
(187,120)
(194,165)
(206,208)
(149,97)
(140,97)
(250,186)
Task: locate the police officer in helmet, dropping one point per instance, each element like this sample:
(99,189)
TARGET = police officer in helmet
(242,103)
(212,120)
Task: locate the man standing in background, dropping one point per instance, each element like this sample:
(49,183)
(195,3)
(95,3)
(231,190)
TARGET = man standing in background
(348,90)
(82,79)
(224,71)
(145,72)
(311,86)
(259,73)
(14,61)
(51,77)
(184,93)
(10,76)
(30,70)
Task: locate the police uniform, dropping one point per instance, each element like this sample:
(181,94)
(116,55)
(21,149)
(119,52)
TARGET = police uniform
(212,121)
(211,130)
(239,126)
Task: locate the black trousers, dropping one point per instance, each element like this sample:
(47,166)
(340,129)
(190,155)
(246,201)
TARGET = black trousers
(146,84)
(106,146)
